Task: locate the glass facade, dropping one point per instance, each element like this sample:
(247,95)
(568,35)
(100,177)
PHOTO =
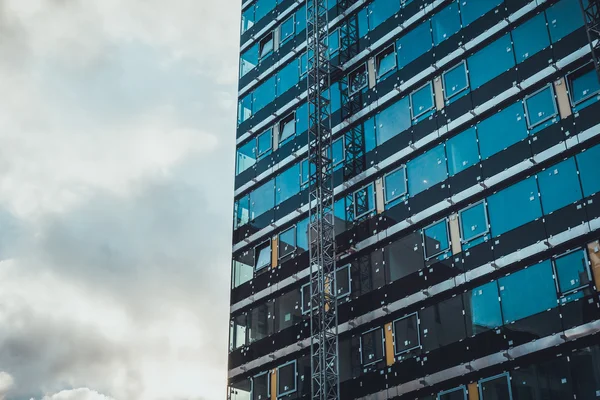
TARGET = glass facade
(467,201)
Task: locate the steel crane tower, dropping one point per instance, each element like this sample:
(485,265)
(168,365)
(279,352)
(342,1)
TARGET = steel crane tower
(591,15)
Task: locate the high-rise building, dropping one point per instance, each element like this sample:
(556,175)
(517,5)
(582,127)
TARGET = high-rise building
(467,176)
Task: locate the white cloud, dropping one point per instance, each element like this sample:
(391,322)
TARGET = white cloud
(78,394)
(6,382)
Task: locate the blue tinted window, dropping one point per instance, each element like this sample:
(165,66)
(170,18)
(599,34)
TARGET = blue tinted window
(302,118)
(334,42)
(301,19)
(427,170)
(531,37)
(385,62)
(472,9)
(395,184)
(371,133)
(245,108)
(264,142)
(527,292)
(363,22)
(588,170)
(559,186)
(483,308)
(421,100)
(287,77)
(501,130)
(393,120)
(262,199)
(455,80)
(341,215)
(287,29)
(242,211)
(249,60)
(287,183)
(462,151)
(514,206)
(381,10)
(246,157)
(248,19)
(583,84)
(364,201)
(302,234)
(563,18)
(414,44)
(339,152)
(540,107)
(445,23)
(481,70)
(473,222)
(263,7)
(435,238)
(572,271)
(358,79)
(264,94)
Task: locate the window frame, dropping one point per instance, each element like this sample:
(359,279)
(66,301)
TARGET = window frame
(302,302)
(491,378)
(386,201)
(265,244)
(397,353)
(343,295)
(463,63)
(252,382)
(263,41)
(382,346)
(414,116)
(343,159)
(526,108)
(373,205)
(279,394)
(456,389)
(302,182)
(339,42)
(379,75)
(363,66)
(280,256)
(568,80)
(287,119)
(425,244)
(281,38)
(487,222)
(259,155)
(559,292)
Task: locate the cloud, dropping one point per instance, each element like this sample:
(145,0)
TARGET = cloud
(116,165)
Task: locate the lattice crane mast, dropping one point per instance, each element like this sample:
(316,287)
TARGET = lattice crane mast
(591,15)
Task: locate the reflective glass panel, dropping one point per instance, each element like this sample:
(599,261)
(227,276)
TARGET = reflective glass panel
(243,268)
(249,60)
(287,29)
(473,222)
(262,199)
(381,10)
(358,79)
(414,44)
(395,184)
(588,170)
(287,242)
(404,256)
(563,18)
(264,143)
(287,128)
(583,84)
(287,310)
(497,388)
(481,70)
(302,234)
(530,37)
(436,239)
(264,94)
(540,107)
(263,7)
(286,379)
(559,186)
(482,309)
(472,9)
(241,390)
(287,77)
(265,47)
(339,152)
(246,157)
(393,120)
(514,206)
(262,255)
(342,281)
(572,271)
(406,334)
(462,151)
(502,130)
(455,80)
(427,170)
(385,61)
(245,108)
(445,23)
(287,183)
(421,100)
(261,387)
(364,201)
(261,321)
(371,346)
(527,292)
(248,19)
(453,394)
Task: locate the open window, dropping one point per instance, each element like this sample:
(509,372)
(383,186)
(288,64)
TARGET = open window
(540,106)
(371,346)
(385,61)
(262,256)
(459,393)
(261,385)
(287,242)
(364,201)
(358,79)
(394,184)
(265,46)
(286,378)
(406,334)
(287,127)
(436,239)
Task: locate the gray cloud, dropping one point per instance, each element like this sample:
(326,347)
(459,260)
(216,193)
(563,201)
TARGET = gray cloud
(116,172)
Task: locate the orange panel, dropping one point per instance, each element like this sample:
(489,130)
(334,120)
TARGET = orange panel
(274,252)
(389,345)
(594,256)
(473,391)
(274,384)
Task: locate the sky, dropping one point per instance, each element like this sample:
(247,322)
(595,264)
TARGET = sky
(117,136)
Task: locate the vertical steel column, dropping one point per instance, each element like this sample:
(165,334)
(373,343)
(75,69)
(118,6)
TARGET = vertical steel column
(591,16)
(323,299)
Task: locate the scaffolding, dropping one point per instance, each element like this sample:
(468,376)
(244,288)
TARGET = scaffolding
(323,299)
(591,15)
